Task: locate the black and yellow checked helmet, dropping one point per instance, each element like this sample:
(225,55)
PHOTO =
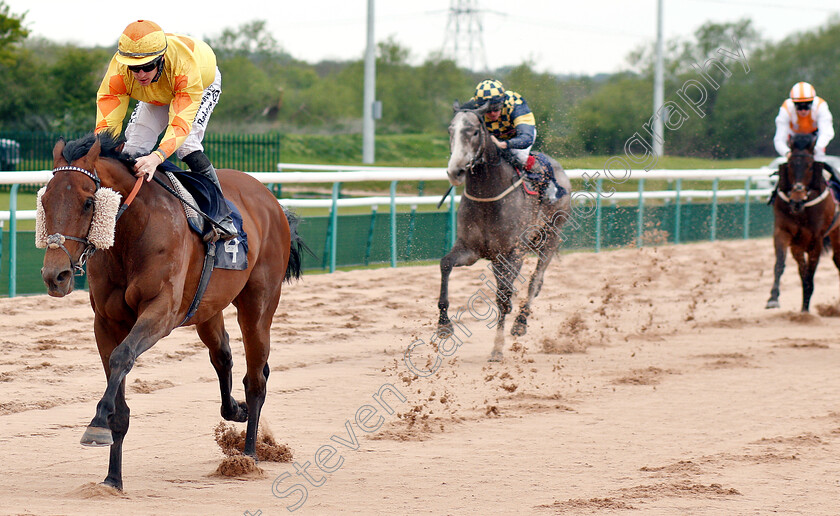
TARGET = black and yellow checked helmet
(489,90)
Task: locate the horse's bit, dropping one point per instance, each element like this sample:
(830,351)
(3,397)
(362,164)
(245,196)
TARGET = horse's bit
(56,240)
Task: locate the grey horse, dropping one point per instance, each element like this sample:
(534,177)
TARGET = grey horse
(497,221)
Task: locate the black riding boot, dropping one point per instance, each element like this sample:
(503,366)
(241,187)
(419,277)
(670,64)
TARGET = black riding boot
(198,163)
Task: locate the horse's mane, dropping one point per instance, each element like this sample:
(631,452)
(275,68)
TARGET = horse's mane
(111,147)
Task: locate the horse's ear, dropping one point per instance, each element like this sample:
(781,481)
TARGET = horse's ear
(482,109)
(456,106)
(58,158)
(94,151)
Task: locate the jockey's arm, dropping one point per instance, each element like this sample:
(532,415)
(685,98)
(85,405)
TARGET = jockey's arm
(111,101)
(825,129)
(525,124)
(525,134)
(780,140)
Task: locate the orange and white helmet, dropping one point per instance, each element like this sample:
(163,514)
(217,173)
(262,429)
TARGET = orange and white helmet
(802,92)
(141,42)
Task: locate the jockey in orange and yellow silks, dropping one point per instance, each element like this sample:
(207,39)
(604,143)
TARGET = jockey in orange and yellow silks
(804,113)
(177,84)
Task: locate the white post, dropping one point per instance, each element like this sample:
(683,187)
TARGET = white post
(658,87)
(369,91)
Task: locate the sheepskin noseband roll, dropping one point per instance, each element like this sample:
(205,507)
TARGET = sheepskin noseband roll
(102,227)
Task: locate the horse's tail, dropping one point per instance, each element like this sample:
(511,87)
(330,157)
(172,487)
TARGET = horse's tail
(296,248)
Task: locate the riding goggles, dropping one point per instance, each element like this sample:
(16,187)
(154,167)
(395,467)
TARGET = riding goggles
(802,106)
(148,67)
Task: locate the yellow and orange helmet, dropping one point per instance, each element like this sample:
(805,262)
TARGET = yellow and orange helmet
(802,92)
(141,42)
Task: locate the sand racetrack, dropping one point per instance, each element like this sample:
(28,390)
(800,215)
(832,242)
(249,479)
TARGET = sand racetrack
(650,381)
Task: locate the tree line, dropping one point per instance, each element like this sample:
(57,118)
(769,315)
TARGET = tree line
(49,86)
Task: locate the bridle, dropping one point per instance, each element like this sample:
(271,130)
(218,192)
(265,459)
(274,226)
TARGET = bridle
(56,240)
(479,159)
(799,187)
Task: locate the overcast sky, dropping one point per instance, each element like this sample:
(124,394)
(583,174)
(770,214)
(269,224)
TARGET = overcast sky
(558,36)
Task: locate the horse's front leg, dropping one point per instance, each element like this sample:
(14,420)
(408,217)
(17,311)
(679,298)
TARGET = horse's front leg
(457,257)
(108,335)
(146,332)
(807,269)
(781,244)
(835,245)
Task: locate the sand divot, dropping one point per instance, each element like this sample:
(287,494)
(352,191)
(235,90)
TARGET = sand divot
(93,491)
(232,443)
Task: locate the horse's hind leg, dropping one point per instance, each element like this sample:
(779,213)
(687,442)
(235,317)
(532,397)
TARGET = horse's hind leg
(255,309)
(780,242)
(458,256)
(506,270)
(520,325)
(212,333)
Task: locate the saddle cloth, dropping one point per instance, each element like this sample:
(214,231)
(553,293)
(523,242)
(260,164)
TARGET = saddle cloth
(201,192)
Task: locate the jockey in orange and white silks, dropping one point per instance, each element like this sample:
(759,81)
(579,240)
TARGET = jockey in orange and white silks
(177,84)
(804,113)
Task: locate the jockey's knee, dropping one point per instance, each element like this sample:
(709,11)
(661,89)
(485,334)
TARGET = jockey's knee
(197,161)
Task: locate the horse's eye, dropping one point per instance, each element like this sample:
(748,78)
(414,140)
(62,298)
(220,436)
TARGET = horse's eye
(475,133)
(88,205)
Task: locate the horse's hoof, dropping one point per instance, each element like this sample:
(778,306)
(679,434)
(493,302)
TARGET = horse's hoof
(97,436)
(239,413)
(773,303)
(112,484)
(518,330)
(495,356)
(445,330)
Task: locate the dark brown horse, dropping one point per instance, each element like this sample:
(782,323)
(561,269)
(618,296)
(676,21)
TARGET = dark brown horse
(142,286)
(806,216)
(498,221)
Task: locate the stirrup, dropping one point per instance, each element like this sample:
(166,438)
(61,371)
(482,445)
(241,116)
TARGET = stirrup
(212,235)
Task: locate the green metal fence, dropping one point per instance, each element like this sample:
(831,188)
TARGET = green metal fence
(366,239)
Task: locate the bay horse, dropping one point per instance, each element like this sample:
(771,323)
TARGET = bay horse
(497,221)
(141,287)
(806,215)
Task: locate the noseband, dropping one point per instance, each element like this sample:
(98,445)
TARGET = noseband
(56,240)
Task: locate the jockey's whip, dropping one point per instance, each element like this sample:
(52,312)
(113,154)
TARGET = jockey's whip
(444,197)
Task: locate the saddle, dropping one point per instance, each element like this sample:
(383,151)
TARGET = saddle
(197,191)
